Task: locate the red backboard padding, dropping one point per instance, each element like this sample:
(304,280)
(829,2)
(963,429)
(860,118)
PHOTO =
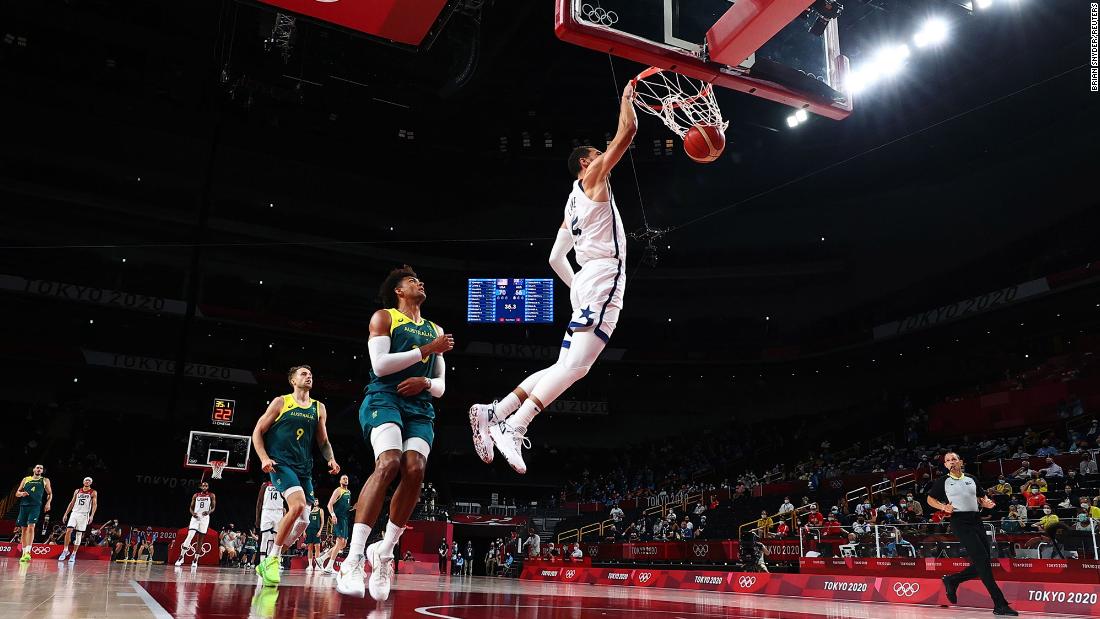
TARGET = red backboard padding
(402,21)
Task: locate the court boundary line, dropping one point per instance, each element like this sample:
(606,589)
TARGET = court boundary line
(150,602)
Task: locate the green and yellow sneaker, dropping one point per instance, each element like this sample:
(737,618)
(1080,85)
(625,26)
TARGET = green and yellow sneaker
(268,569)
(26,557)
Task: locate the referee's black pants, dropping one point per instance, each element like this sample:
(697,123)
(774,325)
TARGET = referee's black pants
(969,530)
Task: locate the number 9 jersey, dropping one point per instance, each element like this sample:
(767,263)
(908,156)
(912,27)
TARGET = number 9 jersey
(289,440)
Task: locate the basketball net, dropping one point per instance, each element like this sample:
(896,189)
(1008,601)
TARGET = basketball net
(679,101)
(216,468)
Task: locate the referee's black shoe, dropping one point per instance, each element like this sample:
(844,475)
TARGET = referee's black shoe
(952,590)
(1006,611)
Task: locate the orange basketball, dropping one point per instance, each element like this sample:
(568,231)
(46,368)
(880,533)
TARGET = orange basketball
(704,143)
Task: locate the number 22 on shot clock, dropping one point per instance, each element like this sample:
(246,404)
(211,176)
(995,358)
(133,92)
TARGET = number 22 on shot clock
(222,412)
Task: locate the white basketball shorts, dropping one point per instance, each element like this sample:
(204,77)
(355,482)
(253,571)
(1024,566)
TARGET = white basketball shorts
(200,524)
(597,296)
(78,521)
(269,520)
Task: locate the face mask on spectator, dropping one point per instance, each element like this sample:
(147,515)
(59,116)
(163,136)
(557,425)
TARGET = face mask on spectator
(1082,517)
(902,504)
(1046,510)
(1034,491)
(1084,506)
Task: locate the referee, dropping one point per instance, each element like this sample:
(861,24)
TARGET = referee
(957,494)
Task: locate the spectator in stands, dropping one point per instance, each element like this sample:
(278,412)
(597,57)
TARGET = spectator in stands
(1024,472)
(1035,498)
(831,527)
(1052,472)
(700,508)
(577,554)
(1048,520)
(1084,523)
(617,513)
(914,508)
(1012,522)
(1047,449)
(782,530)
(1002,487)
(687,529)
(227,550)
(864,509)
(764,525)
(1035,482)
(1067,503)
(534,543)
(861,526)
(888,512)
(1090,509)
(1088,463)
(815,517)
(787,506)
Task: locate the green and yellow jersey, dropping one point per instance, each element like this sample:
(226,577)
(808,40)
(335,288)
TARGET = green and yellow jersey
(314,521)
(343,504)
(405,335)
(36,486)
(289,440)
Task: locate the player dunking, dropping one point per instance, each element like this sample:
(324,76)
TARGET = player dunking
(313,535)
(78,515)
(32,491)
(339,508)
(269,511)
(593,229)
(203,503)
(407,371)
(282,439)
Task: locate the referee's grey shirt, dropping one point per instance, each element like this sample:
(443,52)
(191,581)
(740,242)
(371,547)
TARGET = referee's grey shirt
(961,493)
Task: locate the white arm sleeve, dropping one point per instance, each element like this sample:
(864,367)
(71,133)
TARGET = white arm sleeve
(559,260)
(439,378)
(384,362)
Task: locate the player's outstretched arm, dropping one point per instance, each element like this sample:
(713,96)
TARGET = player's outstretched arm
(263,424)
(323,442)
(628,126)
(559,255)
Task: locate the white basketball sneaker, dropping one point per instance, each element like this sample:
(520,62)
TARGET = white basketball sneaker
(64,553)
(351,579)
(481,417)
(179,562)
(72,557)
(381,574)
(510,442)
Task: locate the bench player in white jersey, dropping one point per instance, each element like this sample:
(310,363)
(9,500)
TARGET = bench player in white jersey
(269,511)
(78,515)
(593,229)
(203,503)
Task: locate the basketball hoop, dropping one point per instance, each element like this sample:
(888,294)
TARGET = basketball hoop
(216,468)
(679,101)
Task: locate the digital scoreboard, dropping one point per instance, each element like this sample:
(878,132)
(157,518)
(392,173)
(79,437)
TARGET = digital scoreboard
(526,300)
(221,413)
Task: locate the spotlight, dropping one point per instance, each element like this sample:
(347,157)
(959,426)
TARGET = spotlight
(933,32)
(891,60)
(792,121)
(802,116)
(983,4)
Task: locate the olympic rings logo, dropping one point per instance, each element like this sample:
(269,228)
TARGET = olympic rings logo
(701,550)
(40,550)
(599,15)
(188,551)
(644,577)
(746,581)
(906,589)
(569,574)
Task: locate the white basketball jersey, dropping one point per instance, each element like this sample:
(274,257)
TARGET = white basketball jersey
(83,504)
(202,503)
(272,499)
(596,227)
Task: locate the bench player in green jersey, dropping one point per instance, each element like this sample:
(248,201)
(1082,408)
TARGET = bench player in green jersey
(398,420)
(33,491)
(339,508)
(313,535)
(283,438)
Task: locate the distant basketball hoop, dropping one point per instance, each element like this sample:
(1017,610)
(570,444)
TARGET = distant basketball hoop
(216,468)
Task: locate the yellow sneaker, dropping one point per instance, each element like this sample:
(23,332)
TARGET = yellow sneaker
(268,569)
(26,556)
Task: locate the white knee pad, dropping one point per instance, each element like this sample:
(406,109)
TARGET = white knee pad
(386,437)
(418,445)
